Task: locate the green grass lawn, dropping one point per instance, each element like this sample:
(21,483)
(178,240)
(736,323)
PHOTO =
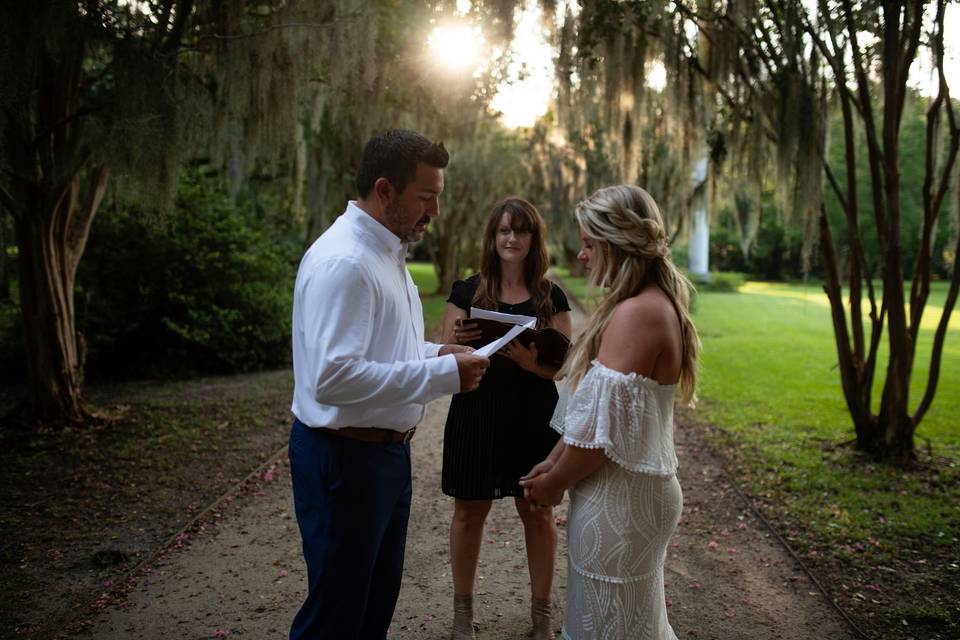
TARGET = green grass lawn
(768,378)
(769,357)
(577,286)
(768,366)
(770,385)
(434,304)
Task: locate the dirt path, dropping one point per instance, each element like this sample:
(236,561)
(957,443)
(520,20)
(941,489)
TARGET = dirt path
(727,577)
(244,576)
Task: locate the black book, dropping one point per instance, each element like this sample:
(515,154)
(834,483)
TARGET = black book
(551,344)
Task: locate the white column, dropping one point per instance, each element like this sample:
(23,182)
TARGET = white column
(699,248)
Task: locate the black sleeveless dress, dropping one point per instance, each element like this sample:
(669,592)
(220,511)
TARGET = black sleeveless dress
(494,435)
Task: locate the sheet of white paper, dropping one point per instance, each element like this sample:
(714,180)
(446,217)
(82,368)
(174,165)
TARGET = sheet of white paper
(490,349)
(509,318)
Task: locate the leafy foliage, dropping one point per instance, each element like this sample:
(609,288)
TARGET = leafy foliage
(776,252)
(208,290)
(486,167)
(723,282)
(911,145)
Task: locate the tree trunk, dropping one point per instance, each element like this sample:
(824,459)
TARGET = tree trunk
(52,219)
(572,262)
(445,263)
(894,412)
(54,369)
(5,294)
(51,239)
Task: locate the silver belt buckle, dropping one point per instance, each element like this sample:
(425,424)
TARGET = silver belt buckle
(408,435)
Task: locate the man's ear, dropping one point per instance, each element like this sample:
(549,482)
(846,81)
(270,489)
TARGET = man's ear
(384,190)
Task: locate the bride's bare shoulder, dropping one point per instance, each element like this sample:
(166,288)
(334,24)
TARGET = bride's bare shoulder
(636,332)
(648,310)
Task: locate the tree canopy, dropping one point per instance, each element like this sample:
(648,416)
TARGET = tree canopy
(794,123)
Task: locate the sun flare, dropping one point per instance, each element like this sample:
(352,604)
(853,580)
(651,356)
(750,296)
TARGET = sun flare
(456,46)
(525,94)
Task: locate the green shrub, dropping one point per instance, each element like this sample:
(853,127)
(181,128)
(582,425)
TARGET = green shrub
(723,281)
(207,289)
(775,254)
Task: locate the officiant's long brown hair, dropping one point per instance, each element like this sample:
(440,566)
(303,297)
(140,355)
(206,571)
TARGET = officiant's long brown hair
(523,217)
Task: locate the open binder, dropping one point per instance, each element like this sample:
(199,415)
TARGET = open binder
(551,344)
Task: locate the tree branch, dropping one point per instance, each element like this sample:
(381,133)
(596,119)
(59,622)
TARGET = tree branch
(738,109)
(9,203)
(920,288)
(943,94)
(175,37)
(772,8)
(78,229)
(833,57)
(82,111)
(849,377)
(164,19)
(938,339)
(875,336)
(834,185)
(913,41)
(67,171)
(875,154)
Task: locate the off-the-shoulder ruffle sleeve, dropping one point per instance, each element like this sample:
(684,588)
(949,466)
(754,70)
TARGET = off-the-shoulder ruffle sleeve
(629,416)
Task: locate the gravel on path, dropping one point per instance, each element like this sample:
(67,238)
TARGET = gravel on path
(727,578)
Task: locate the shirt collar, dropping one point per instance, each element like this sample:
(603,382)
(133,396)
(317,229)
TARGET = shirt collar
(383,237)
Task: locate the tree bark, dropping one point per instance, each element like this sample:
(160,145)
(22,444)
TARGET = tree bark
(445,257)
(52,219)
(934,190)
(851,373)
(51,240)
(5,294)
(894,418)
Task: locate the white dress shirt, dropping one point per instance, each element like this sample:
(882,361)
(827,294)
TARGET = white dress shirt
(359,357)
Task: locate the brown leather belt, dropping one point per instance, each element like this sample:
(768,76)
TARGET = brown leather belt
(373,434)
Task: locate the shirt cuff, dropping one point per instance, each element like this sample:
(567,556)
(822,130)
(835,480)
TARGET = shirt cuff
(431,350)
(445,376)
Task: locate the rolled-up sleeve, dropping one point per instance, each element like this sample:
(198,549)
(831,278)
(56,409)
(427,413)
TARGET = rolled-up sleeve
(338,334)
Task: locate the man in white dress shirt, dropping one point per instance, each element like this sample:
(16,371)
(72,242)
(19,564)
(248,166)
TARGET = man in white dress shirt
(363,375)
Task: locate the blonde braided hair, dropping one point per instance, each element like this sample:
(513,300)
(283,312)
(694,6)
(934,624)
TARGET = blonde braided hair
(632,252)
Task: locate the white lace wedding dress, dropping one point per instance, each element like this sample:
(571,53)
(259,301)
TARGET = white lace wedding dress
(622,516)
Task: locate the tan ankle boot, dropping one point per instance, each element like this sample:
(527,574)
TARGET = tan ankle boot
(540,613)
(462,618)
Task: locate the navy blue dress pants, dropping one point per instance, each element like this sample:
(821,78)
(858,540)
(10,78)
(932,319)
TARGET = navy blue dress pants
(352,500)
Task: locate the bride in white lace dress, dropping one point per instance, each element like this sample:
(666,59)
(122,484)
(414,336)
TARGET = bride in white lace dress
(616,457)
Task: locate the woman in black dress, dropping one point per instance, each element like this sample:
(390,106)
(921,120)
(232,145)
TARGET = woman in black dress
(495,435)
